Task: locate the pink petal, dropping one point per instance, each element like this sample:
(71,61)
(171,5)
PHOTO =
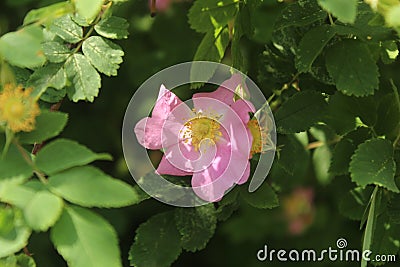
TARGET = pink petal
(242,108)
(245,175)
(225,91)
(166,102)
(226,170)
(165,167)
(148,132)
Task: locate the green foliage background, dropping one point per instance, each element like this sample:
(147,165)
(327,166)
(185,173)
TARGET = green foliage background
(333,101)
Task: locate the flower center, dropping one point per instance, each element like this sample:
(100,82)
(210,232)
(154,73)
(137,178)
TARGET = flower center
(201,128)
(15,110)
(255,130)
(18,110)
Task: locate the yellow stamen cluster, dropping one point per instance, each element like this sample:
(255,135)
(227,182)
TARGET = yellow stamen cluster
(258,137)
(201,128)
(18,110)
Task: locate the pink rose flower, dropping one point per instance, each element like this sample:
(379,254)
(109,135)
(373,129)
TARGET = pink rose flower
(212,142)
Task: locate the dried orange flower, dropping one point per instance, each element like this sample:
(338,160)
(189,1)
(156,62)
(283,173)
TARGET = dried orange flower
(18,109)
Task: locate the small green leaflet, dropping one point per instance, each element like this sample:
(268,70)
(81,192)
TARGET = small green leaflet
(103,54)
(207,15)
(14,48)
(159,234)
(17,236)
(105,191)
(41,209)
(85,239)
(196,226)
(22,260)
(351,66)
(113,28)
(311,45)
(67,29)
(56,52)
(85,79)
(51,75)
(63,154)
(88,9)
(48,124)
(344,10)
(373,163)
(264,198)
(44,15)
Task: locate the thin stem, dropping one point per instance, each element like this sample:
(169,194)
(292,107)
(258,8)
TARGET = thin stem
(9,138)
(26,252)
(270,98)
(331,19)
(26,157)
(87,35)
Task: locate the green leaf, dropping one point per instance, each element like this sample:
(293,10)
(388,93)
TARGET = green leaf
(342,153)
(113,28)
(388,121)
(300,112)
(159,234)
(55,51)
(23,47)
(103,54)
(353,203)
(52,95)
(43,210)
(88,9)
(85,79)
(16,238)
(345,148)
(211,48)
(51,75)
(263,198)
(321,158)
(24,260)
(352,67)
(289,146)
(207,15)
(15,194)
(63,154)
(341,116)
(373,163)
(67,29)
(196,226)
(48,13)
(105,191)
(85,239)
(311,45)
(344,10)
(48,125)
(13,164)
